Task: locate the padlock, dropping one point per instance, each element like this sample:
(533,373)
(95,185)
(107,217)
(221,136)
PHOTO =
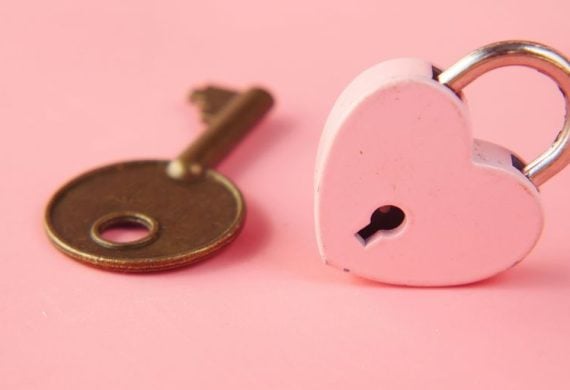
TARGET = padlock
(403,192)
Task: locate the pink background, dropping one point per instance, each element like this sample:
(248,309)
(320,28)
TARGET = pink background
(92,82)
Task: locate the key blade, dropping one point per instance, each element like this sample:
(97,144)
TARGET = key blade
(211,100)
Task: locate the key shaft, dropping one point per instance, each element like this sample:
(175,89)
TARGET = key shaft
(225,130)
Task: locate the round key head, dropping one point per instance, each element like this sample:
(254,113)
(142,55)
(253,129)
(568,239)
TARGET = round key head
(184,220)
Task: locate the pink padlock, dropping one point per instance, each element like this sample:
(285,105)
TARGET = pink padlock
(405,195)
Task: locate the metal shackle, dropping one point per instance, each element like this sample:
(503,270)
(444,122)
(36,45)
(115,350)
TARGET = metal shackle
(533,55)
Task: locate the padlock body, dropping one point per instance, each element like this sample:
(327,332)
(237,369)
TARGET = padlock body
(398,139)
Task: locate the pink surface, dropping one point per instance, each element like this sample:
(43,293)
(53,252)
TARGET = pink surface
(398,137)
(87,83)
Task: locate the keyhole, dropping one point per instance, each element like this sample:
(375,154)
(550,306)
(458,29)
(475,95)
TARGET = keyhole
(386,218)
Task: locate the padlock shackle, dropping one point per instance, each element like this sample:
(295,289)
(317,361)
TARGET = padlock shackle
(533,55)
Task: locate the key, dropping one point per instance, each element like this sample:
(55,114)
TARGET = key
(187,210)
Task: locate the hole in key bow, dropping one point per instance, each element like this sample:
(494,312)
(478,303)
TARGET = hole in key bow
(386,218)
(126,229)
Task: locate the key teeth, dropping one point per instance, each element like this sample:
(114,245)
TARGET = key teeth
(210,100)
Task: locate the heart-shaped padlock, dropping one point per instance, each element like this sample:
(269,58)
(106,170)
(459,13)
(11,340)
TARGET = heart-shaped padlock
(405,195)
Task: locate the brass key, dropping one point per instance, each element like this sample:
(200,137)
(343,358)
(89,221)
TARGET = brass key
(189,211)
